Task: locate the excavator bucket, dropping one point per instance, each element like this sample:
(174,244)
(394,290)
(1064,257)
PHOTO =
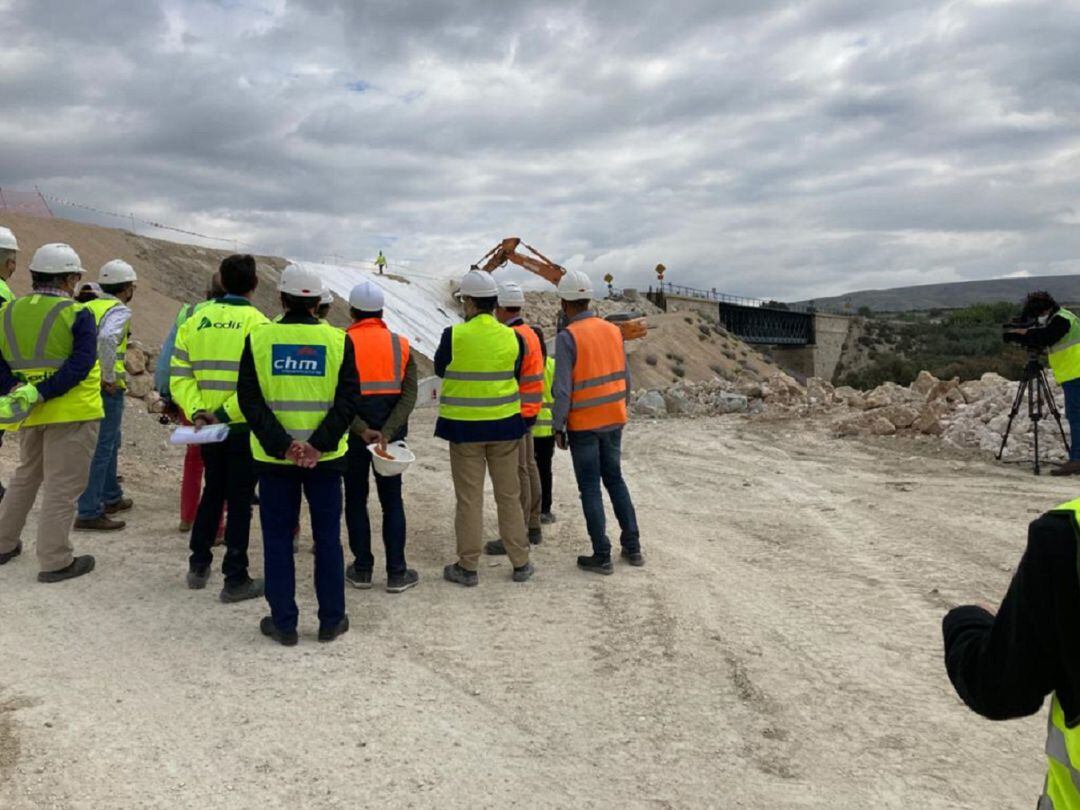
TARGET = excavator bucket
(631,324)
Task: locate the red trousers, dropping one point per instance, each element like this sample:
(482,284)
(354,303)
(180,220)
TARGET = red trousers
(191,485)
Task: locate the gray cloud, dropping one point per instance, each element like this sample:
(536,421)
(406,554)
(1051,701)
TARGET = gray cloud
(764,148)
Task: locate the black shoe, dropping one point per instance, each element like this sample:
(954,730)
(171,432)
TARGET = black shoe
(252,589)
(547,517)
(402,582)
(122,505)
(635,558)
(330,633)
(536,536)
(102,523)
(494,547)
(455,573)
(197,578)
(79,566)
(8,556)
(524,572)
(270,630)
(358,579)
(596,563)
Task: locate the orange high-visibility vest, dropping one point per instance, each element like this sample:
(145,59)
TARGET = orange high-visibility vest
(381,356)
(598,398)
(532,372)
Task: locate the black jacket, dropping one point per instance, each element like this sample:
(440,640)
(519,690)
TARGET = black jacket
(266,427)
(1046,336)
(1004,666)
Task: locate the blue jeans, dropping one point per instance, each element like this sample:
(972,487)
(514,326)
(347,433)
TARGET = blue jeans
(357,487)
(596,459)
(1072,413)
(103,488)
(279,508)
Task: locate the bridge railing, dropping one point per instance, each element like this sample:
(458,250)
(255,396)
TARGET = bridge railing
(668,288)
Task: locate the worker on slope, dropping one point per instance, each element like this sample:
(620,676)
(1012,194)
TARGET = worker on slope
(508,312)
(380,263)
(1003,666)
(1058,331)
(592,386)
(298,390)
(50,342)
(9,249)
(191,482)
(205,367)
(388,384)
(103,495)
(544,442)
(480,415)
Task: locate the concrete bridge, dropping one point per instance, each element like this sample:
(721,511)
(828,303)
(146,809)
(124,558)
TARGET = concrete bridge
(800,339)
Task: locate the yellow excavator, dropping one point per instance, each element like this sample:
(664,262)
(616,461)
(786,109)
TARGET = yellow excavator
(632,325)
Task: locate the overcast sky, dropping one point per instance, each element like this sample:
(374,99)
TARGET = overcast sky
(763,148)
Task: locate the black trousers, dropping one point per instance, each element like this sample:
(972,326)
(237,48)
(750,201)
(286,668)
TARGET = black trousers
(357,487)
(544,453)
(229,478)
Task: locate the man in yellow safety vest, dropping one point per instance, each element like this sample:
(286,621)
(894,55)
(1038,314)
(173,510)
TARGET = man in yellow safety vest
(49,341)
(203,375)
(103,495)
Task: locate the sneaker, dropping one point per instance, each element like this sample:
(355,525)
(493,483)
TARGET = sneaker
(358,579)
(524,572)
(536,536)
(121,505)
(635,558)
(547,518)
(8,556)
(252,589)
(330,633)
(401,582)
(269,629)
(197,578)
(184,526)
(596,563)
(104,523)
(494,547)
(79,566)
(455,573)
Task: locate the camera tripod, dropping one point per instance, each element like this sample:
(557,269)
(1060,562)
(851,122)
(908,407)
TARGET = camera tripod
(1034,384)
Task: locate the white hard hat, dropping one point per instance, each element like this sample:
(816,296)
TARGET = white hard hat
(56,259)
(366,297)
(575,286)
(7,239)
(327,296)
(511,295)
(478,284)
(298,280)
(116,272)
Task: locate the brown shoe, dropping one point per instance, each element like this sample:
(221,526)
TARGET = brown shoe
(121,505)
(98,524)
(1068,468)
(185,526)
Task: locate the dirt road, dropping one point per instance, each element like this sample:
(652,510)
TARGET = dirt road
(781,649)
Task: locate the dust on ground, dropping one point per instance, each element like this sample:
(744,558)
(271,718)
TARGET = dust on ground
(781,648)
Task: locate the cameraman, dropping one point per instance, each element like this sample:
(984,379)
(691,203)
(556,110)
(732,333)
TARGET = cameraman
(1004,666)
(1058,332)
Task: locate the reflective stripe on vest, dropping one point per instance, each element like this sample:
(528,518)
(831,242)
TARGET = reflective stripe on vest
(298,366)
(532,371)
(99,307)
(381,357)
(1065,354)
(598,396)
(479,383)
(544,426)
(35,341)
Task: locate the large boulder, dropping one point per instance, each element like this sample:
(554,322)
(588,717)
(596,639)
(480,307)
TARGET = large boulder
(651,403)
(726,402)
(924,383)
(929,421)
(819,391)
(887,394)
(866,424)
(901,416)
(135,358)
(949,390)
(140,385)
(677,403)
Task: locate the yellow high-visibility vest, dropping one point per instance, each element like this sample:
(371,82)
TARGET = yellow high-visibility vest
(479,384)
(298,366)
(1065,354)
(544,426)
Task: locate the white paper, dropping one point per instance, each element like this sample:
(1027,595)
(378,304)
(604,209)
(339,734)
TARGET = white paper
(211,434)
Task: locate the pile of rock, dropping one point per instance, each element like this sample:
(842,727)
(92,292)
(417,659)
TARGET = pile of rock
(718,396)
(139,362)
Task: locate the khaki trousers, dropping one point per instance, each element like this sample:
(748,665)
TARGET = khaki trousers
(59,456)
(529,481)
(468,463)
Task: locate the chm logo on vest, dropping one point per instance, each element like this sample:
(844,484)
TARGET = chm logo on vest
(291,360)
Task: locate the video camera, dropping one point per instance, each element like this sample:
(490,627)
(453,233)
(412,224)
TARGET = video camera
(1012,332)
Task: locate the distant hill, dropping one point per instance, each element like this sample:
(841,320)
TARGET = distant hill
(953,295)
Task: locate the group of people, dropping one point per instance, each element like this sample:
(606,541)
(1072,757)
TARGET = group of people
(305,405)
